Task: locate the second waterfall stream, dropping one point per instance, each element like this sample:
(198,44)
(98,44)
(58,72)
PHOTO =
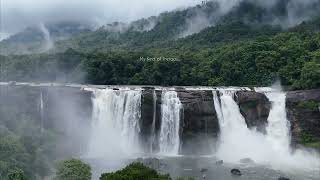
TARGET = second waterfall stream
(238,142)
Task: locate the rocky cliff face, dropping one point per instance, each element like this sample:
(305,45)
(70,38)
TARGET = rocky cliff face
(200,125)
(150,124)
(255,108)
(303,109)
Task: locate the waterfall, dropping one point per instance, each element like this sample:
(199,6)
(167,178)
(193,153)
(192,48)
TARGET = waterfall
(41,113)
(153,128)
(170,123)
(278,128)
(235,137)
(115,128)
(237,141)
(47,38)
(229,113)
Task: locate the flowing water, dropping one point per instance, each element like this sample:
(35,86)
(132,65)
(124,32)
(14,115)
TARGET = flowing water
(154,116)
(41,113)
(237,141)
(115,129)
(278,128)
(170,123)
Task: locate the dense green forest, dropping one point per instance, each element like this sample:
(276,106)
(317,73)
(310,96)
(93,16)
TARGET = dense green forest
(231,53)
(293,57)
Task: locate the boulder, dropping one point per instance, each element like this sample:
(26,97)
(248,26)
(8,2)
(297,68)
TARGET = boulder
(283,178)
(236,172)
(204,177)
(203,170)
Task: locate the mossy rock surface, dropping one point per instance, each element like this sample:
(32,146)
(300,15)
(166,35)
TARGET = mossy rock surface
(309,141)
(309,105)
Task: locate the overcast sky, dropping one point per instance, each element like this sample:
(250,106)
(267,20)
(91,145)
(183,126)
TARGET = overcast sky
(17,14)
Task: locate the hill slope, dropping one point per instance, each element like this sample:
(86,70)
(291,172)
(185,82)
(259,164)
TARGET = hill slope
(244,46)
(41,38)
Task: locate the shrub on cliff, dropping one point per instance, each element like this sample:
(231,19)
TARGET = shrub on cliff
(135,171)
(17,174)
(73,170)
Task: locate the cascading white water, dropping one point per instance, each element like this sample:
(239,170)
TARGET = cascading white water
(153,133)
(234,133)
(47,38)
(169,141)
(278,128)
(115,129)
(41,113)
(237,141)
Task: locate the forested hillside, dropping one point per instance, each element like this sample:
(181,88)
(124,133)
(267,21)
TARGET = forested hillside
(248,45)
(41,37)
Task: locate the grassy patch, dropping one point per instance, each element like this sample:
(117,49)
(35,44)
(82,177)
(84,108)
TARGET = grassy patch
(309,140)
(313,145)
(309,105)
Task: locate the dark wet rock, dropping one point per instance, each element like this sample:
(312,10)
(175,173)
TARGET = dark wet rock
(203,170)
(246,161)
(179,88)
(147,108)
(115,89)
(236,172)
(255,108)
(148,88)
(219,162)
(303,114)
(199,124)
(283,178)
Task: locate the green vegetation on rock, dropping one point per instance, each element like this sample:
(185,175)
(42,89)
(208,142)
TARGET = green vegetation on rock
(309,105)
(135,171)
(17,175)
(73,169)
(308,140)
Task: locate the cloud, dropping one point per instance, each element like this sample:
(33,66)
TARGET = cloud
(207,15)
(18,14)
(295,12)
